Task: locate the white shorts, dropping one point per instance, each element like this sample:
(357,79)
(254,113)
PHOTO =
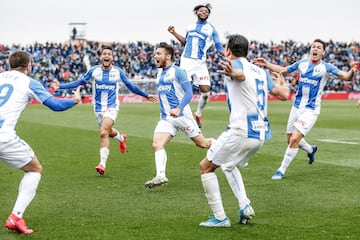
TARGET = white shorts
(231,150)
(185,123)
(196,70)
(16,153)
(302,119)
(109,113)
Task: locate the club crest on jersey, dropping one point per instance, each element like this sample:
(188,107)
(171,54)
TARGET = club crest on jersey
(318,71)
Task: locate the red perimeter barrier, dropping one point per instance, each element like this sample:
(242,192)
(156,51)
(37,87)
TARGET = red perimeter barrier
(222,97)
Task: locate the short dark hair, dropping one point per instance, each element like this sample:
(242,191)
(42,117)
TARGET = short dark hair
(207,5)
(168,48)
(19,59)
(238,44)
(320,41)
(103,47)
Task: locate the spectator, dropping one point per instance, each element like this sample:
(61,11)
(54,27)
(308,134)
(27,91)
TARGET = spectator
(53,59)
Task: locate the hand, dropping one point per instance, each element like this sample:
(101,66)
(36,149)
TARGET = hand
(354,65)
(77,96)
(171,29)
(278,78)
(229,71)
(175,112)
(260,62)
(152,98)
(226,66)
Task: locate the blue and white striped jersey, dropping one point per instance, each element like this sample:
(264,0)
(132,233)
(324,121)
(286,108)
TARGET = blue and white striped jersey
(199,38)
(16,90)
(247,100)
(313,78)
(169,83)
(105,86)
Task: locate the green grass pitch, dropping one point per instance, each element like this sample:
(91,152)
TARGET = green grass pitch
(319,201)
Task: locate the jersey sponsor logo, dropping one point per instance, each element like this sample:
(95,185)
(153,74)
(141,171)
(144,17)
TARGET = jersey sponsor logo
(309,81)
(302,123)
(164,88)
(105,87)
(202,78)
(186,128)
(196,34)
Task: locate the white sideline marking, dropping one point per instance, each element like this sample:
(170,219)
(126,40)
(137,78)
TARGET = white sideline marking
(337,141)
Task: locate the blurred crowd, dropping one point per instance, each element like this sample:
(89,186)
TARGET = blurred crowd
(69,61)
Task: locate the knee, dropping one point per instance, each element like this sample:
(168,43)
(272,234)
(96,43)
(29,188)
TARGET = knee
(203,142)
(206,166)
(38,168)
(294,142)
(200,144)
(33,166)
(156,146)
(104,133)
(204,89)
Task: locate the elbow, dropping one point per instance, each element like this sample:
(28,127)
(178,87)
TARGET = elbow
(58,108)
(284,97)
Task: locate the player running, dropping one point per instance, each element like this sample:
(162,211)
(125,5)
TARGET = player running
(105,86)
(16,90)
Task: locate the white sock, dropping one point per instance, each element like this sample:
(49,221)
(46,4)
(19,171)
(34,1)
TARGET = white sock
(290,154)
(236,183)
(27,192)
(202,103)
(160,162)
(213,195)
(104,154)
(118,137)
(305,146)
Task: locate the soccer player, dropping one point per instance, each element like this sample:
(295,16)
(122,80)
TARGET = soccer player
(306,106)
(247,88)
(16,90)
(198,39)
(174,93)
(105,86)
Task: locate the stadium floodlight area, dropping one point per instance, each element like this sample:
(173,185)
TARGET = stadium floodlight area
(77,30)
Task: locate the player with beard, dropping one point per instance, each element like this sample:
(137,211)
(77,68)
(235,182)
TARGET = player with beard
(200,36)
(174,93)
(306,107)
(105,87)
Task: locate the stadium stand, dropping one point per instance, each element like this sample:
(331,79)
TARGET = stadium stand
(70,60)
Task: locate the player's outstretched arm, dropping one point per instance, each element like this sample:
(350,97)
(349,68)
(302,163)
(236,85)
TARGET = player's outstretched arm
(152,98)
(347,76)
(281,90)
(62,104)
(273,67)
(180,38)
